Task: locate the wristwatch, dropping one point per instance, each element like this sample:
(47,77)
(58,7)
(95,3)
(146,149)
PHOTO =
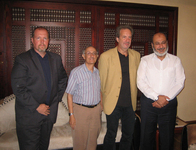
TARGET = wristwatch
(70,114)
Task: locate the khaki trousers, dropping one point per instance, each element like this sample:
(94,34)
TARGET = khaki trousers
(88,126)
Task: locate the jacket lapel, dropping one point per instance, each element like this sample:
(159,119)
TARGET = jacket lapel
(37,63)
(52,67)
(116,60)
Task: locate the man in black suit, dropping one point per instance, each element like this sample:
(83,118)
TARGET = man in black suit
(38,80)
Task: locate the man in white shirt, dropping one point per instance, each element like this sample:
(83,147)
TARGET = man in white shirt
(160,77)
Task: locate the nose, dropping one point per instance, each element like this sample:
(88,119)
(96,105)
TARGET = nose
(128,40)
(161,45)
(41,40)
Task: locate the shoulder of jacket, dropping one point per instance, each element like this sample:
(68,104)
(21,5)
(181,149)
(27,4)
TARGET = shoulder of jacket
(133,51)
(25,55)
(110,51)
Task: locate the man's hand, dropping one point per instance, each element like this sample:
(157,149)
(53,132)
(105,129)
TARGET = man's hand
(156,104)
(72,121)
(161,102)
(43,109)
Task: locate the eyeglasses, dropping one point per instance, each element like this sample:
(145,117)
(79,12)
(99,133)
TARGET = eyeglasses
(89,53)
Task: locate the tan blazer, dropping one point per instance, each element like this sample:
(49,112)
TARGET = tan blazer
(111,77)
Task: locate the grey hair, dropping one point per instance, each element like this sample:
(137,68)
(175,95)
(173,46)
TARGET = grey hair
(123,27)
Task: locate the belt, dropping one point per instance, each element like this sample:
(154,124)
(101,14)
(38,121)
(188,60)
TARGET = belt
(88,106)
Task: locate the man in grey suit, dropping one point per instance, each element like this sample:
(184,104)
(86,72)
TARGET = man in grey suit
(38,80)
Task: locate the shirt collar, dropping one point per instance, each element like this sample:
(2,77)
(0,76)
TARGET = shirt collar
(86,69)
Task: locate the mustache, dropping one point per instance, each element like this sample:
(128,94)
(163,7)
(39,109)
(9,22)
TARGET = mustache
(42,45)
(160,48)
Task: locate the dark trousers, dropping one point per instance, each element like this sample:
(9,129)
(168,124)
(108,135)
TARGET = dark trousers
(127,116)
(165,118)
(34,137)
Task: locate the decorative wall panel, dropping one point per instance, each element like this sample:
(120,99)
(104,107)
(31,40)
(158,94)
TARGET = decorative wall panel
(85,41)
(73,27)
(137,20)
(163,22)
(18,14)
(85,17)
(47,15)
(109,38)
(18,40)
(70,49)
(110,19)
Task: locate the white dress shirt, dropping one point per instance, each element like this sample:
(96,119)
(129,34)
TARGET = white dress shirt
(156,77)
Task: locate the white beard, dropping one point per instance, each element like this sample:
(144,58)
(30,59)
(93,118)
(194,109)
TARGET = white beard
(160,54)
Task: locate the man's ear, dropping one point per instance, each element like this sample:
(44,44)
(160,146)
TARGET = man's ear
(117,39)
(83,56)
(152,45)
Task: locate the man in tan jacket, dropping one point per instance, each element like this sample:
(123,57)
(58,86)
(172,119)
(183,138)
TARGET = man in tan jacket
(118,71)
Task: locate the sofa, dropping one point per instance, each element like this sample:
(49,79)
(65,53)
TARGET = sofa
(61,136)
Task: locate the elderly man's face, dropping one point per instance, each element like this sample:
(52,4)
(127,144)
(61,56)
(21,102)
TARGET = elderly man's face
(160,45)
(90,55)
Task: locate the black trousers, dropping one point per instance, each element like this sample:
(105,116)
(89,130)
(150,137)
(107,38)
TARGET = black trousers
(34,137)
(127,116)
(165,118)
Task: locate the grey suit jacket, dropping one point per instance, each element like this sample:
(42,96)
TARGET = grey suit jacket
(29,86)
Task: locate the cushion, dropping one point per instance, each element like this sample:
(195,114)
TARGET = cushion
(61,137)
(64,100)
(7,114)
(103,117)
(9,141)
(192,147)
(62,115)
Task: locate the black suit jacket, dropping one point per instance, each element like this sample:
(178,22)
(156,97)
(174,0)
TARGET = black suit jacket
(29,86)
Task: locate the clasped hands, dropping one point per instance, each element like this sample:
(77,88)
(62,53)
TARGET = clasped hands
(161,102)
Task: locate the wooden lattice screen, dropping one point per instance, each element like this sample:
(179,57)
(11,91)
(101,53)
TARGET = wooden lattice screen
(73,27)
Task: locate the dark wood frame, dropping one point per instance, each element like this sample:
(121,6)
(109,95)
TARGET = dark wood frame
(6,23)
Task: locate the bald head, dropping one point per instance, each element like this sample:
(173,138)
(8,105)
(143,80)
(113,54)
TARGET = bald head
(158,35)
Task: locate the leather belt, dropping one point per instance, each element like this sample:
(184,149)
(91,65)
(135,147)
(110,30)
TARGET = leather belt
(88,106)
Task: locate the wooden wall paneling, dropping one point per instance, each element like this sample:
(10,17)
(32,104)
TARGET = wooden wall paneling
(2,48)
(175,26)
(110,22)
(28,28)
(86,31)
(77,41)
(171,33)
(100,30)
(76,25)
(8,51)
